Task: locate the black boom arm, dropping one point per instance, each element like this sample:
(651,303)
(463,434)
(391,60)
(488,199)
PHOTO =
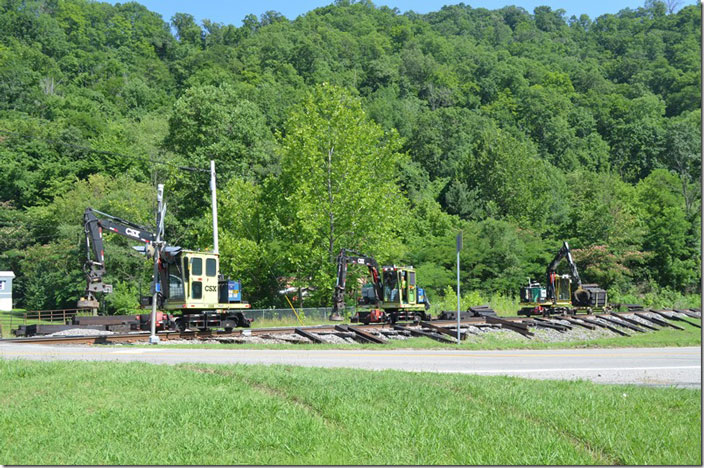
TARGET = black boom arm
(345,258)
(93,226)
(563,253)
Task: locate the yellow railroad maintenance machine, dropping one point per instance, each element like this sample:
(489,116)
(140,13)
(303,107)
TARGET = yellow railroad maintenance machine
(193,294)
(558,296)
(391,295)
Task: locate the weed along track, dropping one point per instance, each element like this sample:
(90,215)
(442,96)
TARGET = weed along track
(555,328)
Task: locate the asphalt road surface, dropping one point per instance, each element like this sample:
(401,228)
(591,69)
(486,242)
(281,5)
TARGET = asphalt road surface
(646,366)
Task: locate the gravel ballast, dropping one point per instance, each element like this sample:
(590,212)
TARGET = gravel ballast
(573,332)
(81,332)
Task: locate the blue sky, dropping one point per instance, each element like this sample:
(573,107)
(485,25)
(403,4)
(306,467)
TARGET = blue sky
(232,12)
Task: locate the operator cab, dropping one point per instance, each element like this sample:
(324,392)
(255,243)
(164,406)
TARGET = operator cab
(192,280)
(399,286)
(563,288)
(535,294)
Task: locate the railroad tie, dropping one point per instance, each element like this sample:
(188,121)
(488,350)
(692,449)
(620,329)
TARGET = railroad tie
(518,327)
(541,322)
(662,323)
(355,334)
(674,317)
(449,332)
(312,337)
(622,324)
(578,323)
(434,336)
(603,325)
(635,322)
(364,335)
(689,313)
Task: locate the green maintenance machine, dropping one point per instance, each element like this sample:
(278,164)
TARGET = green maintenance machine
(563,294)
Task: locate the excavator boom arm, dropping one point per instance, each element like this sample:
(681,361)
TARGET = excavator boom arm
(564,252)
(95,264)
(345,258)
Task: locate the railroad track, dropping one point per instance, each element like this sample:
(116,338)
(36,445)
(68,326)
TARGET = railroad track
(185,335)
(440,330)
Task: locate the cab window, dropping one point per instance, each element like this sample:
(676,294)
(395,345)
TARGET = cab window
(197,266)
(175,288)
(210,266)
(196,290)
(390,291)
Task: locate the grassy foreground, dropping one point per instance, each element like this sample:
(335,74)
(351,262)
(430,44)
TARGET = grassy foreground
(136,413)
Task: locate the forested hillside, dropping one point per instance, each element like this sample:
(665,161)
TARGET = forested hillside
(353,126)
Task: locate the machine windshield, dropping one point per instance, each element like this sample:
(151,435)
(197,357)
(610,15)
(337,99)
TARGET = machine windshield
(390,288)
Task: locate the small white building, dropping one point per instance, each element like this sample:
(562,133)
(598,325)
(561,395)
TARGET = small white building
(6,290)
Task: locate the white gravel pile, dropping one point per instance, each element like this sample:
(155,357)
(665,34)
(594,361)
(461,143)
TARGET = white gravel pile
(293,338)
(381,336)
(598,320)
(548,335)
(399,336)
(653,315)
(583,334)
(618,319)
(81,332)
(600,333)
(170,342)
(244,339)
(640,320)
(507,335)
(335,339)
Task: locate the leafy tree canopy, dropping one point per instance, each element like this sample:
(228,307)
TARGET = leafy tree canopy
(354,126)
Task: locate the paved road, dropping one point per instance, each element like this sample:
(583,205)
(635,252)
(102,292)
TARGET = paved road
(646,366)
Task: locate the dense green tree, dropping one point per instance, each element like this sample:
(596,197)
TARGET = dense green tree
(52,268)
(338,185)
(524,129)
(674,262)
(211,122)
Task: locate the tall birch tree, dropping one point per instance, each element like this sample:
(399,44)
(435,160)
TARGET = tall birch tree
(338,186)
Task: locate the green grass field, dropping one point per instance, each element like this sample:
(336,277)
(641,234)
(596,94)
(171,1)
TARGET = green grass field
(135,413)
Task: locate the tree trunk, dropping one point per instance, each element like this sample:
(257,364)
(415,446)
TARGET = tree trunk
(331,213)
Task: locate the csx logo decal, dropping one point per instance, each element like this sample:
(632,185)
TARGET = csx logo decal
(211,288)
(132,232)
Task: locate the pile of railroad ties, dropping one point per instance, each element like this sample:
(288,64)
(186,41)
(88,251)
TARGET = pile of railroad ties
(104,323)
(476,321)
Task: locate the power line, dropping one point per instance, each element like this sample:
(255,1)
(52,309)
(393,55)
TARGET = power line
(104,152)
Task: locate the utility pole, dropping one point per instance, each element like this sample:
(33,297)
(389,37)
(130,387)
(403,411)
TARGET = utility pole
(215,207)
(459,247)
(160,212)
(701,77)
